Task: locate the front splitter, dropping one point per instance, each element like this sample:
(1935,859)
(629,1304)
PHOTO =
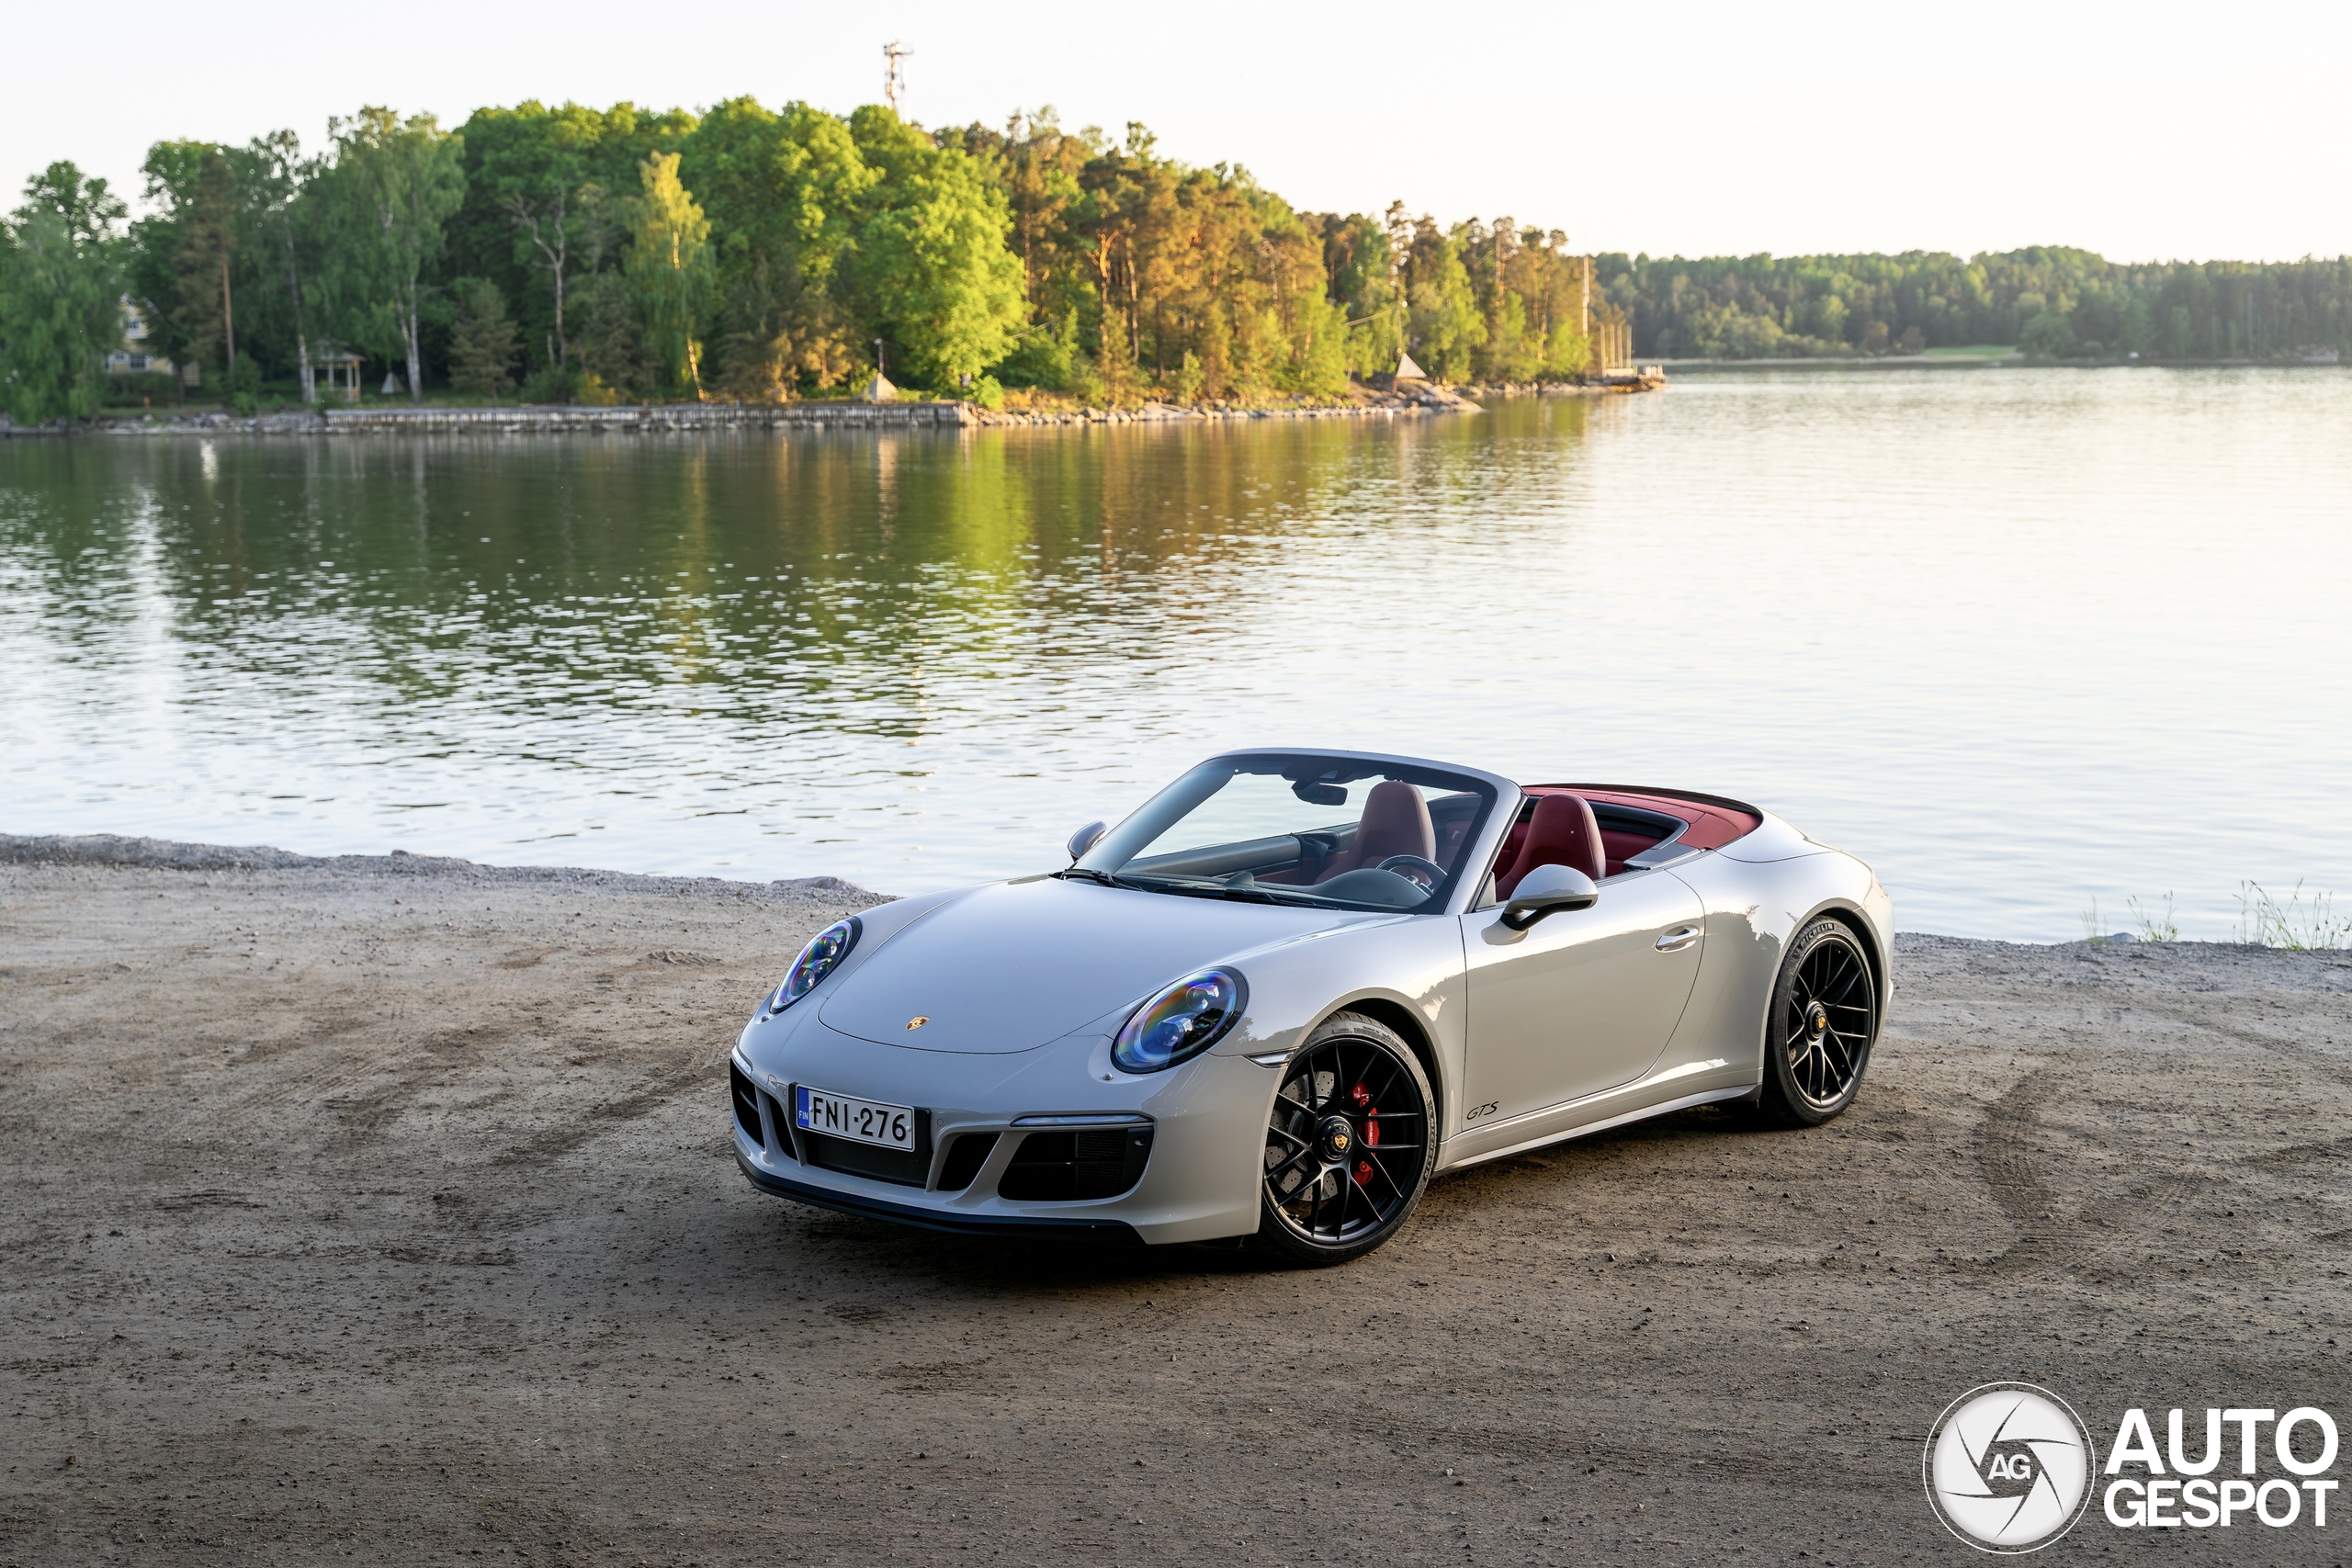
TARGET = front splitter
(1114,1233)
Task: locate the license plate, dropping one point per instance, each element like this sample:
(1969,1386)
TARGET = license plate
(860,1121)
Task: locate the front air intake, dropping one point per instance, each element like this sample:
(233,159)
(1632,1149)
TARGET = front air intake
(781,1123)
(965,1158)
(746,1104)
(1066,1168)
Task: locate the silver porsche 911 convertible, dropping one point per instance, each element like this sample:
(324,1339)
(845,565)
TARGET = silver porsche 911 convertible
(1293,988)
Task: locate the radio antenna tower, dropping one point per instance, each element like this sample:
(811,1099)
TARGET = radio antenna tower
(894,72)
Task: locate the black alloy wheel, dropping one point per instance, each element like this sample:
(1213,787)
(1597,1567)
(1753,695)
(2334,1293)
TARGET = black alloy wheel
(1824,1022)
(1348,1145)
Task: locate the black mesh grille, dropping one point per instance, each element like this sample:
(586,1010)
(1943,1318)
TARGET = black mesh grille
(746,1104)
(1062,1167)
(906,1168)
(965,1158)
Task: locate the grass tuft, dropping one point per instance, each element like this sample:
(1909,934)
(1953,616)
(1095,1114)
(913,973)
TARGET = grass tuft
(2298,925)
(2094,929)
(2152,927)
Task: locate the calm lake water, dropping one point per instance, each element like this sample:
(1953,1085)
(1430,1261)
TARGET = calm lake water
(2023,639)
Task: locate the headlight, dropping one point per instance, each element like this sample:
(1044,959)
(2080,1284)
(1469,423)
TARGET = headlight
(825,950)
(1180,1022)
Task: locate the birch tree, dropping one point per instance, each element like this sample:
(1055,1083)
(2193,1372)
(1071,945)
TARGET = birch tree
(279,174)
(401,180)
(670,265)
(534,169)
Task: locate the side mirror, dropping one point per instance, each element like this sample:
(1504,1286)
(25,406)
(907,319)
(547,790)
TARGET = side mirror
(1084,840)
(1547,890)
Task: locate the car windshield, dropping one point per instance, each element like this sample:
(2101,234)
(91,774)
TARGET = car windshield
(1326,831)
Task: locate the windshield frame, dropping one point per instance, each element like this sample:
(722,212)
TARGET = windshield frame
(1498,800)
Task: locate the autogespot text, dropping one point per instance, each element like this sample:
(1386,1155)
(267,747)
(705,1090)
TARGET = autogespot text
(2176,1491)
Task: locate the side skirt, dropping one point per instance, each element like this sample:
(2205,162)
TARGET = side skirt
(1707,1097)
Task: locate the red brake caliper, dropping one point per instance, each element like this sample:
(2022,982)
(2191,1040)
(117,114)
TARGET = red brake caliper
(1361,1097)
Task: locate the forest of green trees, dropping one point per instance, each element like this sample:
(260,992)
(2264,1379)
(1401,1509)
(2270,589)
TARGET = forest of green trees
(580,254)
(592,255)
(2050,301)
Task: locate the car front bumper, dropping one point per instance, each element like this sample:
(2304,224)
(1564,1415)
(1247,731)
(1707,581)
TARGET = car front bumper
(1205,1121)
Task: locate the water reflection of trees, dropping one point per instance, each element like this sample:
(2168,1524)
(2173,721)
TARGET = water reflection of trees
(787,584)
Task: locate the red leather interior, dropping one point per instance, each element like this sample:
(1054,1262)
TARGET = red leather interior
(1616,845)
(1562,832)
(1513,841)
(1395,821)
(1713,824)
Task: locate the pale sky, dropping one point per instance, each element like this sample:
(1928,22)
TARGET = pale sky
(2142,132)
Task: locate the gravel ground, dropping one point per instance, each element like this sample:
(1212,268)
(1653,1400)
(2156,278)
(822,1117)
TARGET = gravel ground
(381,1209)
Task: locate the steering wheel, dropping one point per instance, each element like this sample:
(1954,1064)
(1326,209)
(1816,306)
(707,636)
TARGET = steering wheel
(1422,873)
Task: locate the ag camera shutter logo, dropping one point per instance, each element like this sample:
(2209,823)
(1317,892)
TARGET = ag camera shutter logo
(2008,1467)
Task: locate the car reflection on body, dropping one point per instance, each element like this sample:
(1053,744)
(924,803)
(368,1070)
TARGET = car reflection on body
(1293,986)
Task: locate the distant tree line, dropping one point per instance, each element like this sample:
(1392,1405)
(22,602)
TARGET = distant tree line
(2053,301)
(1142,276)
(585,254)
(575,253)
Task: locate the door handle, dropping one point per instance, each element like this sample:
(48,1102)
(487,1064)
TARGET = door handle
(1678,939)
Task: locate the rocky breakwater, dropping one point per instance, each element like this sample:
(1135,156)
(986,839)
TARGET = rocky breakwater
(1413,399)
(656,418)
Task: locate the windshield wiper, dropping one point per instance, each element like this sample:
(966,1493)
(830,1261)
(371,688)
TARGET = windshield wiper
(1249,894)
(1086,874)
(1243,893)
(1245,889)
(1156,885)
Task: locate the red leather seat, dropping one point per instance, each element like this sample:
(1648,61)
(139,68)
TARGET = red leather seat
(1561,833)
(1513,841)
(1395,821)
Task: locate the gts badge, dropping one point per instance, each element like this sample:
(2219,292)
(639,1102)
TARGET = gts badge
(1480,1112)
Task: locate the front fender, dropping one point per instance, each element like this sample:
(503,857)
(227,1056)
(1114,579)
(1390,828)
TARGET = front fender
(1410,965)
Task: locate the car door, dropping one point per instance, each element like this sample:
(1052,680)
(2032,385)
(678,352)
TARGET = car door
(1582,1002)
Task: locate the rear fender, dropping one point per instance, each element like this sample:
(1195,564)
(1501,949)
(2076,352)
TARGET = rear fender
(1753,911)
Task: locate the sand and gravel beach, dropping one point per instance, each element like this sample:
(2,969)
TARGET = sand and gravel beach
(381,1210)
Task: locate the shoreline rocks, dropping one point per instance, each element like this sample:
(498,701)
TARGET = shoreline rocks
(1414,399)
(167,854)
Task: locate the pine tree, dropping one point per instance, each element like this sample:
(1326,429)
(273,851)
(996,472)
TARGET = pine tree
(482,345)
(202,304)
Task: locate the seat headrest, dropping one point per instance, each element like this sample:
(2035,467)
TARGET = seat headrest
(1563,832)
(1395,821)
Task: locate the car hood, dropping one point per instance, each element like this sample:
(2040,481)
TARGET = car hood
(1015,965)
